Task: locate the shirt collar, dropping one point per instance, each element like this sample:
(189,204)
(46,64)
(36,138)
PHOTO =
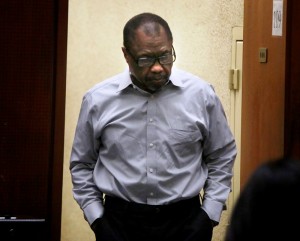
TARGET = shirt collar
(125,80)
(176,78)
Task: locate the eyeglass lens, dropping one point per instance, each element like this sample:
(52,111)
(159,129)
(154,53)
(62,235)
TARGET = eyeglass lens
(147,61)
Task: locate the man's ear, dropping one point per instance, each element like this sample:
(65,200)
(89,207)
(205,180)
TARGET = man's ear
(125,53)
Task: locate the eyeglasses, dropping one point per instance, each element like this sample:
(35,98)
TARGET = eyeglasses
(164,59)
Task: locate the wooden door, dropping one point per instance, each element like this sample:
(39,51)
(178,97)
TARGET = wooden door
(32,98)
(262,136)
(271,90)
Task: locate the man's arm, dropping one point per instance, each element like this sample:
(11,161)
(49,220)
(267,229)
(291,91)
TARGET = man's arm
(83,159)
(219,153)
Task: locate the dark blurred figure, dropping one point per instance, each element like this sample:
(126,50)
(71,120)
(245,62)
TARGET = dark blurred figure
(269,205)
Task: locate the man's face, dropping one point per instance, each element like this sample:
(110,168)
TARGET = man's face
(149,45)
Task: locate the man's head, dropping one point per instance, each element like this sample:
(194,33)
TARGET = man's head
(148,50)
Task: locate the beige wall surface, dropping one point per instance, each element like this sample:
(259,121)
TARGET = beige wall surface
(202,32)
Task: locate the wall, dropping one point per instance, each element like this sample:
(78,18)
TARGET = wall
(202,40)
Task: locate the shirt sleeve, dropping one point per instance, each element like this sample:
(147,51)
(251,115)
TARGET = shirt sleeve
(83,159)
(219,153)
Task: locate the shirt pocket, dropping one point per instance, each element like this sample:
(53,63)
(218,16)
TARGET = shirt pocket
(179,137)
(185,143)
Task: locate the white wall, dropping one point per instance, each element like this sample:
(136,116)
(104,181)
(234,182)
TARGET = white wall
(202,40)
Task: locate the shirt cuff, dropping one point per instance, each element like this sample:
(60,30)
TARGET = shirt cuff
(213,209)
(93,211)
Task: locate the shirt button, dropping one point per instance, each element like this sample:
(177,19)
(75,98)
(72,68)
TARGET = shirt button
(151,170)
(151,145)
(151,120)
(151,194)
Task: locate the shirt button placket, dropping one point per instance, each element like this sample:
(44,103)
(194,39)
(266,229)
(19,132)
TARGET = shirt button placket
(151,151)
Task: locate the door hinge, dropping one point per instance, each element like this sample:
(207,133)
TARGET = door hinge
(234,79)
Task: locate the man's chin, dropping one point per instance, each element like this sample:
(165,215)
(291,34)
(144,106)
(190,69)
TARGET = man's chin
(156,84)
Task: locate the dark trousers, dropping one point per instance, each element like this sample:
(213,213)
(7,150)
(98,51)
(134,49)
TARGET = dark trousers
(181,221)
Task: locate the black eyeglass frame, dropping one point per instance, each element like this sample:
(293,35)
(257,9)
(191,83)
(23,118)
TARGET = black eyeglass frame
(154,59)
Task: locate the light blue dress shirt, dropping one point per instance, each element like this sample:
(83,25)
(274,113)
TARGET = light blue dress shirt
(152,148)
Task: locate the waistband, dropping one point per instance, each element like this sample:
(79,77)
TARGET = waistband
(115,203)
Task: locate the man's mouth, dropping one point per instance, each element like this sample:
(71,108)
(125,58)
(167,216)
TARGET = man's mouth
(157,78)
